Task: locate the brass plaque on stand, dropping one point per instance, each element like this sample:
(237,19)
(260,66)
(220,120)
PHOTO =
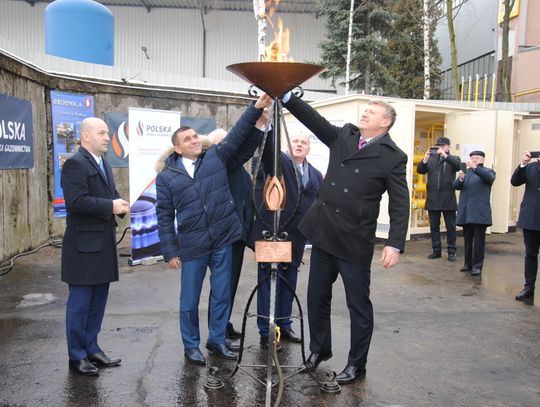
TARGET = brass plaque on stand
(273,252)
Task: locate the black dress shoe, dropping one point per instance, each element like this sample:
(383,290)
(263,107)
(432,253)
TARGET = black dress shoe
(465,268)
(289,335)
(525,293)
(83,367)
(264,344)
(434,256)
(232,333)
(315,359)
(452,257)
(233,345)
(350,374)
(221,350)
(101,359)
(476,272)
(195,356)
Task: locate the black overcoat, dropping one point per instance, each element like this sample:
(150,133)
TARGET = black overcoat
(529,212)
(343,218)
(89,247)
(441,175)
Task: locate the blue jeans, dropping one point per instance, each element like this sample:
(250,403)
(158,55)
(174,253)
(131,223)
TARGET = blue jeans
(191,280)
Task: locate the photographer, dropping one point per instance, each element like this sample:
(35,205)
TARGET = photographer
(529,218)
(474,210)
(441,168)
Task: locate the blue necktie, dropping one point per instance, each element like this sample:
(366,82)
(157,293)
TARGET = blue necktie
(102,168)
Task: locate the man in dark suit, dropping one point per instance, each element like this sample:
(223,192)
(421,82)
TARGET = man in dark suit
(364,164)
(474,209)
(441,168)
(89,258)
(308,179)
(528,173)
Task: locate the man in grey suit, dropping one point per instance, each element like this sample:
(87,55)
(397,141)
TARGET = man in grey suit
(89,258)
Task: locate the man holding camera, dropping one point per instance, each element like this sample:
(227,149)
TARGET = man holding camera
(529,217)
(441,168)
(474,210)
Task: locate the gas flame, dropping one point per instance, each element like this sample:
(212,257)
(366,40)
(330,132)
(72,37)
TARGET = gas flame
(279,48)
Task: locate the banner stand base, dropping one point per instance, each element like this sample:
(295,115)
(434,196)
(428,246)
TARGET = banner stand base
(147,261)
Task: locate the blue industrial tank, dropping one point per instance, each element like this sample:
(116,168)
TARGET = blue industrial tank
(80,29)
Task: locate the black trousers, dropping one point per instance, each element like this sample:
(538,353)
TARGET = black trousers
(474,236)
(435,229)
(532,244)
(356,279)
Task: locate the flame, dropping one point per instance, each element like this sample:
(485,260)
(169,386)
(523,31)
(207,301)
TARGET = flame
(279,48)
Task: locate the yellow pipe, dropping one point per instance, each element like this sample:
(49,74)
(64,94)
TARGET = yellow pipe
(526,92)
(469,89)
(420,188)
(485,89)
(418,203)
(476,90)
(462,88)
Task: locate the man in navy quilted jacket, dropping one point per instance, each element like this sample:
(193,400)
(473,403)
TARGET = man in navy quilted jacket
(192,188)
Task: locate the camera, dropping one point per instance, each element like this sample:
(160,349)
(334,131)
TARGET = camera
(433,151)
(534,154)
(463,166)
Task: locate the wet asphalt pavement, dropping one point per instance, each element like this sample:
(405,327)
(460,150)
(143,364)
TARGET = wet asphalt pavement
(441,338)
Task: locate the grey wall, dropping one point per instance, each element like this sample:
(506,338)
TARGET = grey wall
(26,219)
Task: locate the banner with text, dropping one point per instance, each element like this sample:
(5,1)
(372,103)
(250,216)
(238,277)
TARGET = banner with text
(16,139)
(68,110)
(150,136)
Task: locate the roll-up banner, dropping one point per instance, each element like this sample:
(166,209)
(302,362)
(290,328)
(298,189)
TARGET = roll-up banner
(68,110)
(150,136)
(16,141)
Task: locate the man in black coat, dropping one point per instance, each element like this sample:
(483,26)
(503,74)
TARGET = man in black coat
(441,168)
(364,164)
(89,258)
(528,173)
(474,209)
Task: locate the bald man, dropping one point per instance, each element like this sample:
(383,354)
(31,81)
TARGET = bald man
(89,258)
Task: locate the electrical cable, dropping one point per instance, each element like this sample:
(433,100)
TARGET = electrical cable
(6,269)
(7,266)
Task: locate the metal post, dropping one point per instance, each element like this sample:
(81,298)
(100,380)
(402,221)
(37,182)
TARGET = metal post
(271,335)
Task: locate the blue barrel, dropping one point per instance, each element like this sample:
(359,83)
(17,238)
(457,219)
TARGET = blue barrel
(80,29)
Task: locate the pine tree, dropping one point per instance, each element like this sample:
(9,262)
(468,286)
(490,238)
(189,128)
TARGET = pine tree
(370,54)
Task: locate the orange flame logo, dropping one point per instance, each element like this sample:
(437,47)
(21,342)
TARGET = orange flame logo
(120,141)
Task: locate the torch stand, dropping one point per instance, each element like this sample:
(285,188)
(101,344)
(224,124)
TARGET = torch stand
(275,79)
